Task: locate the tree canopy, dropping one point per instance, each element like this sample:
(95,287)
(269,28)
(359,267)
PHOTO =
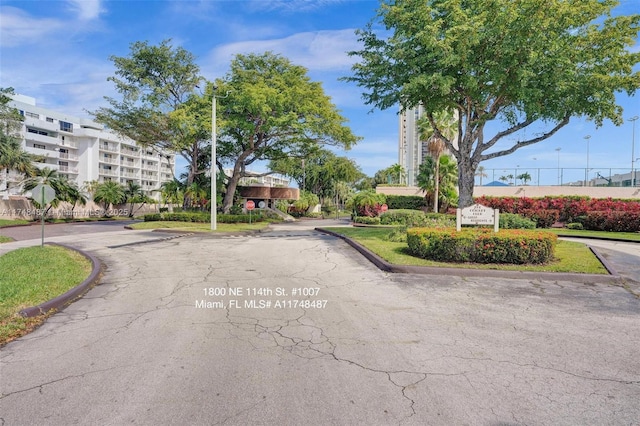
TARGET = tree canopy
(270,109)
(159,105)
(515,62)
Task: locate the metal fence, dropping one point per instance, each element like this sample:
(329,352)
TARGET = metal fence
(617,177)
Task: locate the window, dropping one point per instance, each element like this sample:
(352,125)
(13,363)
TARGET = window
(32,114)
(37,132)
(49,120)
(36,145)
(66,127)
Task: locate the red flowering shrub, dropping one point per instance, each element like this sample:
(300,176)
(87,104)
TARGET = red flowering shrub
(482,245)
(612,221)
(568,208)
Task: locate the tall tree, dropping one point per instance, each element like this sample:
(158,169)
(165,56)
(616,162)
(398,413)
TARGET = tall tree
(159,106)
(12,156)
(109,193)
(439,181)
(322,172)
(272,110)
(444,121)
(512,62)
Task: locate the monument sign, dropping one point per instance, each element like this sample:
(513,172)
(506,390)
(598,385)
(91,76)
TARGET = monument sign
(477,214)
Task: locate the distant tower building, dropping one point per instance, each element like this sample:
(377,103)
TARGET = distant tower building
(411,150)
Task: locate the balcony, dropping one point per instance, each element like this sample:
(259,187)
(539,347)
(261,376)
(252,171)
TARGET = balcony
(69,144)
(108,160)
(35,137)
(130,175)
(67,156)
(68,170)
(109,147)
(107,172)
(41,124)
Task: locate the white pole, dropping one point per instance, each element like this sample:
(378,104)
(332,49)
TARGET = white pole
(586,172)
(633,148)
(214,189)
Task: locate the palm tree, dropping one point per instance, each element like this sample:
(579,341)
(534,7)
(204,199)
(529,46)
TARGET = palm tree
(446,180)
(524,177)
(108,193)
(47,176)
(397,170)
(133,194)
(197,194)
(171,193)
(12,157)
(480,172)
(445,126)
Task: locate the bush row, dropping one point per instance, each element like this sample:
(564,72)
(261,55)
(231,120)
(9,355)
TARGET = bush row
(611,221)
(412,202)
(203,217)
(481,245)
(568,208)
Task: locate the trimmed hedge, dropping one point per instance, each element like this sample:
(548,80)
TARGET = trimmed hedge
(481,245)
(515,221)
(612,221)
(367,220)
(411,202)
(204,217)
(416,218)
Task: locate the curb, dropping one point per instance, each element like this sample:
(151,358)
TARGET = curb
(463,272)
(58,303)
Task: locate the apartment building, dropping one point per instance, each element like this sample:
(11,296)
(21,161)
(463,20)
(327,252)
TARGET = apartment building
(83,151)
(253,178)
(411,150)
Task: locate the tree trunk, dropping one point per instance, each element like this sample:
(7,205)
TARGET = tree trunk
(436,185)
(227,203)
(466,177)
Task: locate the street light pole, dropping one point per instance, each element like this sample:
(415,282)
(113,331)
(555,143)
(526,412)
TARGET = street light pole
(558,150)
(586,172)
(633,150)
(214,189)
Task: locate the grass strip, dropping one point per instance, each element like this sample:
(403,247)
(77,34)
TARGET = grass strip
(622,236)
(31,276)
(570,257)
(12,222)
(201,227)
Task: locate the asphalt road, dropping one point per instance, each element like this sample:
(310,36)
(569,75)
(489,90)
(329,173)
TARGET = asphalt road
(22,233)
(179,332)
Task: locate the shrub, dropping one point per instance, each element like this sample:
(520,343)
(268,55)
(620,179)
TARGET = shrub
(367,220)
(612,221)
(414,218)
(412,202)
(575,225)
(543,218)
(367,203)
(206,217)
(481,245)
(515,221)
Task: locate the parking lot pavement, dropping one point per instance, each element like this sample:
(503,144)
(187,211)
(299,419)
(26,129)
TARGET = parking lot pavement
(179,332)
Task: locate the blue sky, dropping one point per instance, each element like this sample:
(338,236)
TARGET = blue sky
(57,52)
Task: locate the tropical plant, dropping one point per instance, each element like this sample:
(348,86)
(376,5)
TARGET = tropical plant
(524,177)
(506,63)
(172,193)
(445,184)
(480,172)
(109,193)
(133,194)
(443,125)
(366,203)
(60,184)
(196,195)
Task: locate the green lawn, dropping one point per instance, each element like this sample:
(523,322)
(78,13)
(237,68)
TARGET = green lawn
(4,239)
(624,236)
(34,275)
(8,222)
(570,256)
(201,227)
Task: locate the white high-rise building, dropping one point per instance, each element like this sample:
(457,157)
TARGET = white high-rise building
(84,151)
(411,150)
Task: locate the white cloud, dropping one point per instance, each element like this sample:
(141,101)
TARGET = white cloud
(290,5)
(318,50)
(20,28)
(87,10)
